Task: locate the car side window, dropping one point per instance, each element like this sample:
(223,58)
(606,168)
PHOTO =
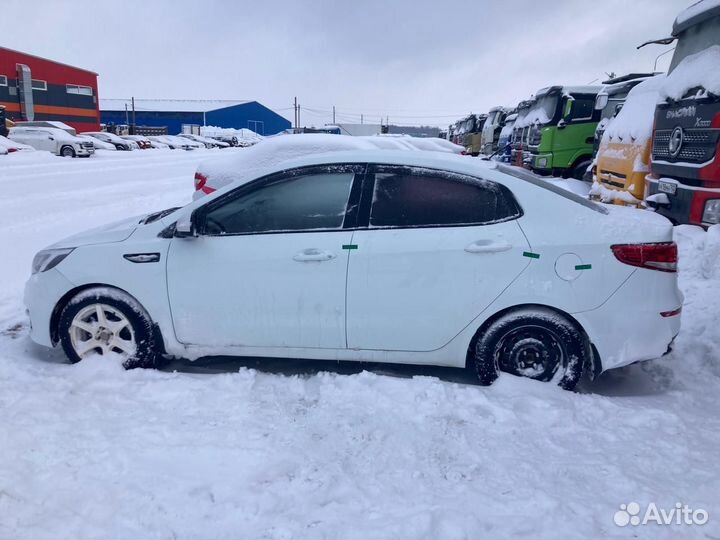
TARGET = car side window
(306,202)
(409,199)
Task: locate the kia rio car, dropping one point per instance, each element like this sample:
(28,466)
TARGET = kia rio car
(379,256)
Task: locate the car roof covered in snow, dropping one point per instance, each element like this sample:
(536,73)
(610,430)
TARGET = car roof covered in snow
(249,162)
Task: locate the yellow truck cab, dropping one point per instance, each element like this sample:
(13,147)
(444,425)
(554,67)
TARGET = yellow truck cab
(625,136)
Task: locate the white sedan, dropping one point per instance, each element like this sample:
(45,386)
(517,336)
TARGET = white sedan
(382,256)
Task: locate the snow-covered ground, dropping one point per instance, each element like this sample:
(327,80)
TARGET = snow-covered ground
(312,450)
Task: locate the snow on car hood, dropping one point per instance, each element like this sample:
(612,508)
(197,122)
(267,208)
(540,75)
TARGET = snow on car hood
(106,234)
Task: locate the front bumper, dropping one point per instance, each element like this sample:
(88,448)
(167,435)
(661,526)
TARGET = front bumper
(43,291)
(686,204)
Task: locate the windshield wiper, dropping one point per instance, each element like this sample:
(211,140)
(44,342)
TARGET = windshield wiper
(158,215)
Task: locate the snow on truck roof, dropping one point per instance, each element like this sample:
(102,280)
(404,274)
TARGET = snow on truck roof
(695,14)
(701,70)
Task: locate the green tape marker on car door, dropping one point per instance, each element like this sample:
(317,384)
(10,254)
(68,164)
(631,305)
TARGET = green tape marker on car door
(531,255)
(349,246)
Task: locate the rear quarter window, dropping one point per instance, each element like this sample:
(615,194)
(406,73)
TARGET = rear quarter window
(419,197)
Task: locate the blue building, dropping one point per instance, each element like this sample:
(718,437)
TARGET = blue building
(174,114)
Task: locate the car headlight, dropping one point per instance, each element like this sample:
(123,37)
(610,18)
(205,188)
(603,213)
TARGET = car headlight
(49,258)
(711,212)
(542,162)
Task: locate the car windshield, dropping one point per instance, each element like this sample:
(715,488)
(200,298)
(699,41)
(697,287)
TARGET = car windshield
(695,39)
(529,177)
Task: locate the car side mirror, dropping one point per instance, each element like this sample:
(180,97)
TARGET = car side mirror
(185,227)
(562,124)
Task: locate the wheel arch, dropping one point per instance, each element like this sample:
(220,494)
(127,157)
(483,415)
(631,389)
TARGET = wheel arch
(594,369)
(65,299)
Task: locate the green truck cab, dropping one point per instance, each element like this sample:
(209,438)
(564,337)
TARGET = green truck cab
(562,128)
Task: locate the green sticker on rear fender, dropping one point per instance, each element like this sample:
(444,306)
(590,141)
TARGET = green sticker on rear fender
(583,266)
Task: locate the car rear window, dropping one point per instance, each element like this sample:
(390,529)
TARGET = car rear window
(531,178)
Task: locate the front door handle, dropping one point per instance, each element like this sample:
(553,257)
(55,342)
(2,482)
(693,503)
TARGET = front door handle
(313,254)
(488,246)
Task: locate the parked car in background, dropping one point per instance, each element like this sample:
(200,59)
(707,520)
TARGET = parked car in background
(206,141)
(97,143)
(118,142)
(175,143)
(157,144)
(216,173)
(322,247)
(8,146)
(142,142)
(623,158)
(685,180)
(54,140)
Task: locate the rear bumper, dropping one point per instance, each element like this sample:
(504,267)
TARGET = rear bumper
(629,327)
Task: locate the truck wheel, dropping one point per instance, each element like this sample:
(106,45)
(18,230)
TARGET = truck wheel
(67,151)
(578,170)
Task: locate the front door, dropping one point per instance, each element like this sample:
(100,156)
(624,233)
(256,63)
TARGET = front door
(268,268)
(439,249)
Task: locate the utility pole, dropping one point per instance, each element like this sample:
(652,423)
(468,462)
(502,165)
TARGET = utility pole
(132,128)
(296,112)
(361,118)
(333,114)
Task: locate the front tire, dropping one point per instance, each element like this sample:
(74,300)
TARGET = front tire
(67,151)
(108,322)
(537,343)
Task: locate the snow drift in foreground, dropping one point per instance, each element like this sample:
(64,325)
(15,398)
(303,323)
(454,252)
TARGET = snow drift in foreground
(305,450)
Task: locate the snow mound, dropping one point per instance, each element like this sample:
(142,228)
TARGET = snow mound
(711,254)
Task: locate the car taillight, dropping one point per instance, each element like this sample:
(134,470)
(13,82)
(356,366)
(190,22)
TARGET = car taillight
(12,150)
(661,256)
(200,181)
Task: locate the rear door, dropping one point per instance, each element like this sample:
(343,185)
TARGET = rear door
(438,249)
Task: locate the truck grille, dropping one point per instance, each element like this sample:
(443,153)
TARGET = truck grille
(698,146)
(88,145)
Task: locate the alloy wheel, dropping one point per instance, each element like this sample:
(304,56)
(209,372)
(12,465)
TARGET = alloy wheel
(102,329)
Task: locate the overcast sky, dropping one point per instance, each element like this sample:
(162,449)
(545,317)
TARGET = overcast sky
(415,61)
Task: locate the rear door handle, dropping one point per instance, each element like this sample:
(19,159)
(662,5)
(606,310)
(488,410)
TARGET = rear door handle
(488,246)
(313,254)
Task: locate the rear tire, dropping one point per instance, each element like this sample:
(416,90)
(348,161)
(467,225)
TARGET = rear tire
(537,343)
(103,321)
(67,151)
